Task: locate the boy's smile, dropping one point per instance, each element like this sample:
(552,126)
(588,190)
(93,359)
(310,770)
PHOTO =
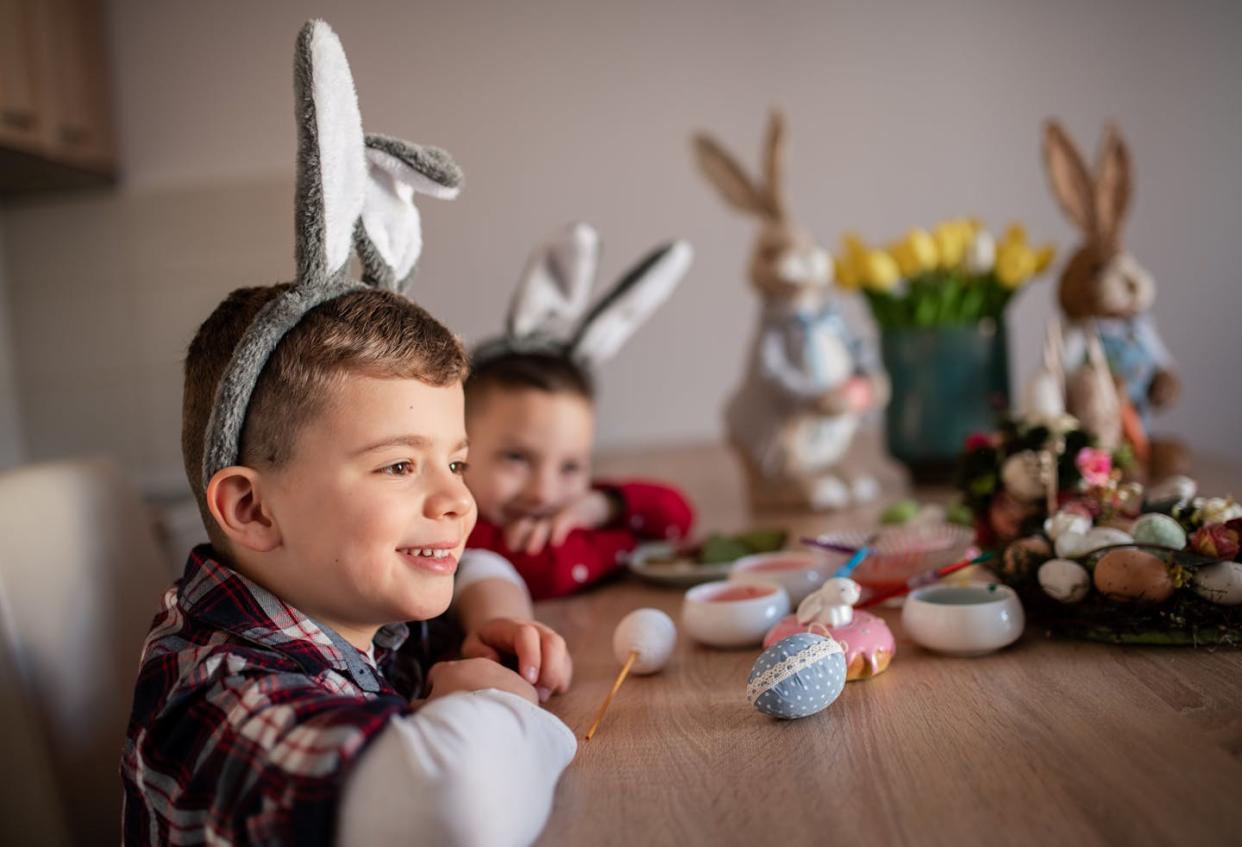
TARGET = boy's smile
(530,452)
(372,509)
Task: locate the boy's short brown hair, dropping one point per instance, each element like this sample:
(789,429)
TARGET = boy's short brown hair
(372,332)
(552,373)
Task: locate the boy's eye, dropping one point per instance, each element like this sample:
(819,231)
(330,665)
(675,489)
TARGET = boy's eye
(513,456)
(399,469)
(570,468)
(458,468)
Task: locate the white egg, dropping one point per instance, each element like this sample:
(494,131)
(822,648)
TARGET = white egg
(1063,522)
(1071,544)
(1177,487)
(1220,583)
(1064,580)
(1105,536)
(649,632)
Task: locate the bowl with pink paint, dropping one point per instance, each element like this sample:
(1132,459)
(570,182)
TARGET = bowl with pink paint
(731,613)
(799,572)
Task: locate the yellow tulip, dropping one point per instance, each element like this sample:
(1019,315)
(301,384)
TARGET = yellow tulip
(1015,234)
(923,247)
(951,241)
(880,271)
(1043,258)
(1015,263)
(848,273)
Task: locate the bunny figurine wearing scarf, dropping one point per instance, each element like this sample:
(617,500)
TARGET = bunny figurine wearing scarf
(1104,285)
(530,417)
(807,383)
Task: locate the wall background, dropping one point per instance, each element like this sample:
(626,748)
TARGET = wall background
(559,111)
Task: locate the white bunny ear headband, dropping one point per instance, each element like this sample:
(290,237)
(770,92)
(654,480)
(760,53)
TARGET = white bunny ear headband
(351,191)
(549,313)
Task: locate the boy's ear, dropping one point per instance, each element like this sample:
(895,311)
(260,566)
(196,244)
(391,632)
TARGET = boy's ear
(234,500)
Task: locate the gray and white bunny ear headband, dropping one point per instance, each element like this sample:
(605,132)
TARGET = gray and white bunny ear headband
(353,191)
(551,312)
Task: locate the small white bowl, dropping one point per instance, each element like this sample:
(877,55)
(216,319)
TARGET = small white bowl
(799,572)
(733,614)
(963,620)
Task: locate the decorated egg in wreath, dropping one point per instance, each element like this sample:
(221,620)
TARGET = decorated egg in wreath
(797,676)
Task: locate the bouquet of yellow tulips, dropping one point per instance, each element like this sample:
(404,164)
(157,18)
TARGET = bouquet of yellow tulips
(958,273)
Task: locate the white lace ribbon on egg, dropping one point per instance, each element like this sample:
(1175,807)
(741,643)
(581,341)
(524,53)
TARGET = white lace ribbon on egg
(787,667)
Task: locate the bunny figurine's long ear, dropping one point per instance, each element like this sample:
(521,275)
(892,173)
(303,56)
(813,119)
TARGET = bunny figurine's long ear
(1071,183)
(554,288)
(1112,186)
(331,166)
(389,233)
(639,293)
(730,179)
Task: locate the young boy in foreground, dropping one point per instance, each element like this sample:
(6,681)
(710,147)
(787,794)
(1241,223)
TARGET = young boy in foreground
(282,698)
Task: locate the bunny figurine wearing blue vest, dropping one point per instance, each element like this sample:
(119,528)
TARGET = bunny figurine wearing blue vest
(809,378)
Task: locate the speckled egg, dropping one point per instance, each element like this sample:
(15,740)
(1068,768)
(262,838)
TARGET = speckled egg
(1064,581)
(1159,529)
(1220,583)
(1130,574)
(797,676)
(1024,556)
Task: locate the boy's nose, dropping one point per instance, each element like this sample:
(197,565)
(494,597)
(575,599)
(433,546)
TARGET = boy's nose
(452,500)
(540,492)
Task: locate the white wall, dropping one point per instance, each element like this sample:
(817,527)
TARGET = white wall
(11,449)
(563,110)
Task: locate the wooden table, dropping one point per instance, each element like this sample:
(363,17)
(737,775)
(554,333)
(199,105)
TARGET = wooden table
(1047,742)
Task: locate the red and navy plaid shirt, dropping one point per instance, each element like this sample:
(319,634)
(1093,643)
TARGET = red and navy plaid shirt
(247,714)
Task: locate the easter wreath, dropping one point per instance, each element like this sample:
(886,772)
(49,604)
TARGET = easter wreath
(1094,555)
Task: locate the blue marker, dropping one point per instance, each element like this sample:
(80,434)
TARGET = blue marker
(854,561)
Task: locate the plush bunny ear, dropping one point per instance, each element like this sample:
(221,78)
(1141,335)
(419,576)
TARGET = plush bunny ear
(730,179)
(389,233)
(639,293)
(1112,185)
(553,291)
(1071,183)
(331,166)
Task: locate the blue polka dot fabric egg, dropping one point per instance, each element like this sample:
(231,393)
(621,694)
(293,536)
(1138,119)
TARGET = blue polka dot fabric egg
(797,676)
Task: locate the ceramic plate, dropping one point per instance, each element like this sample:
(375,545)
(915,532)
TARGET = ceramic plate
(678,573)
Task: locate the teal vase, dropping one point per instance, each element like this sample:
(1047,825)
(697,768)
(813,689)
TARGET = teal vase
(948,382)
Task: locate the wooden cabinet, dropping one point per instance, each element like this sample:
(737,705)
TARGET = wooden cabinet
(55,130)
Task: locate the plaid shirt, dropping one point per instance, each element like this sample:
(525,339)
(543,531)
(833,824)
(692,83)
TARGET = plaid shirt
(247,714)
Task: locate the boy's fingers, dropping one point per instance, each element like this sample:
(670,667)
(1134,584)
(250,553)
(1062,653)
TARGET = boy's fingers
(475,648)
(529,652)
(562,525)
(517,532)
(538,536)
(557,669)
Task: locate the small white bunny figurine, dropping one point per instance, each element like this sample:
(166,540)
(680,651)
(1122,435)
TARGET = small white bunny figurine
(832,605)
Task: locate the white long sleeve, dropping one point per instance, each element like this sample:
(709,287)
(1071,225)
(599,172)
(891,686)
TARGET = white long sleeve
(478,564)
(471,769)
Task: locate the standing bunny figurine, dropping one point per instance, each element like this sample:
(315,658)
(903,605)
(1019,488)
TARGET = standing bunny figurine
(1103,285)
(807,383)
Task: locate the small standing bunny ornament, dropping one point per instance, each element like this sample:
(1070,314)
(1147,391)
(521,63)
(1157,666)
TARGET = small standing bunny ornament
(354,191)
(806,386)
(1105,292)
(551,311)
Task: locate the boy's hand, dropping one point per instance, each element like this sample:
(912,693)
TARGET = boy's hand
(543,660)
(530,535)
(476,675)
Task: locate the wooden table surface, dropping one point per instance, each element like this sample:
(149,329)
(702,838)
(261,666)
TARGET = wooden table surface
(1046,742)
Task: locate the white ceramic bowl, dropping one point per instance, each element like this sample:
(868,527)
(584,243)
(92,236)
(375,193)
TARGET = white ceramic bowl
(963,620)
(733,614)
(799,572)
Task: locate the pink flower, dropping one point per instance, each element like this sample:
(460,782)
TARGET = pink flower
(1094,465)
